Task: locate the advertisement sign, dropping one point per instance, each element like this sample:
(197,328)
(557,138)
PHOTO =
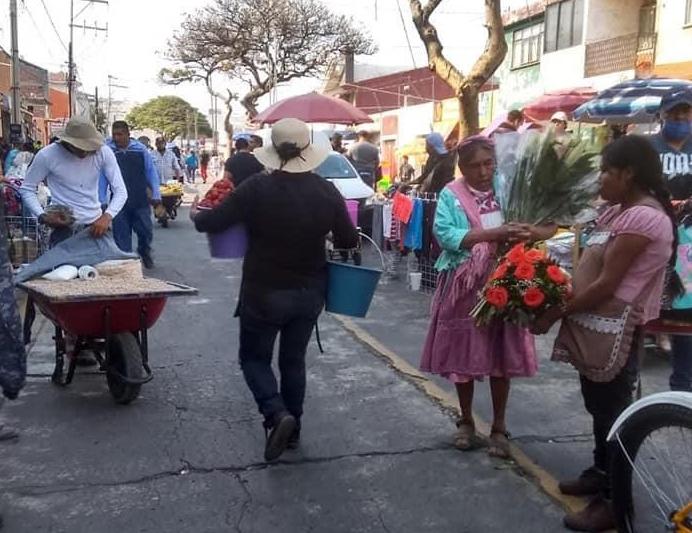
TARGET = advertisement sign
(15,133)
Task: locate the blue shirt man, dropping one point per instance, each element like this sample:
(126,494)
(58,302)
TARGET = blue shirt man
(142,181)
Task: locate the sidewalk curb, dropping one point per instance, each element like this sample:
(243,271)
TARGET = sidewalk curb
(448,401)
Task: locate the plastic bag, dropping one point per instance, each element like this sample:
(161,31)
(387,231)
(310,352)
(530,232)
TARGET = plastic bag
(80,249)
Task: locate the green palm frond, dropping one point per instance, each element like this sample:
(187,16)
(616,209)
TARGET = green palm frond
(542,180)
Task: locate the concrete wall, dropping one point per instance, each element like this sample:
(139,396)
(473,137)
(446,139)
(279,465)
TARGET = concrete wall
(611,18)
(674,39)
(563,69)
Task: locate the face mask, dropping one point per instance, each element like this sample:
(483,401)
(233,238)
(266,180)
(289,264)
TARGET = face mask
(676,130)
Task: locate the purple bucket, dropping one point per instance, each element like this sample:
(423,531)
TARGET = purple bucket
(228,244)
(352,207)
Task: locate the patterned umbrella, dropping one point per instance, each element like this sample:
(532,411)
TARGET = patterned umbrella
(631,101)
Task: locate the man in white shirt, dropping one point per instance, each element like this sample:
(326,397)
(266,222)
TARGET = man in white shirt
(71,168)
(166,162)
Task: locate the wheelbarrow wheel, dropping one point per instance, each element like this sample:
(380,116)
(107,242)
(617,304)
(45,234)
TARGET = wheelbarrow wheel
(125,360)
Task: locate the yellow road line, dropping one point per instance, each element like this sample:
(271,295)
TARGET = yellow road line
(449,401)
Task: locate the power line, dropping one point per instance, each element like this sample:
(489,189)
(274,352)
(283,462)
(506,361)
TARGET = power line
(408,40)
(55,29)
(38,31)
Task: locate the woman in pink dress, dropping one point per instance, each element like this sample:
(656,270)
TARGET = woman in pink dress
(469,228)
(618,285)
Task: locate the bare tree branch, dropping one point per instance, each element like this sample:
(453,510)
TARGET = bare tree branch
(466,87)
(264,42)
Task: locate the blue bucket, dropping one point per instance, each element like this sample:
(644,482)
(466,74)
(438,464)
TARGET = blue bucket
(350,288)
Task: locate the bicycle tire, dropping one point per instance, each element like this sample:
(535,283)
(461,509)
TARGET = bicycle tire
(632,434)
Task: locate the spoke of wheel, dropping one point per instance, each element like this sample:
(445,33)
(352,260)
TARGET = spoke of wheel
(659,447)
(641,476)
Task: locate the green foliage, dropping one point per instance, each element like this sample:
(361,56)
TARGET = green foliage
(543,180)
(169,116)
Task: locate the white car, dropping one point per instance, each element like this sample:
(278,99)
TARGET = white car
(339,170)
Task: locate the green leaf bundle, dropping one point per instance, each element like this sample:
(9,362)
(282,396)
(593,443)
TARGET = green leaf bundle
(543,180)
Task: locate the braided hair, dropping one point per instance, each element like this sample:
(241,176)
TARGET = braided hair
(287,151)
(638,154)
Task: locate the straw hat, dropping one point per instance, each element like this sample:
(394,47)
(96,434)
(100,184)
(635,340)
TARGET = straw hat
(294,147)
(81,133)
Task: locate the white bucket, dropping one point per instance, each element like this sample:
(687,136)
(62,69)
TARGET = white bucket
(414,279)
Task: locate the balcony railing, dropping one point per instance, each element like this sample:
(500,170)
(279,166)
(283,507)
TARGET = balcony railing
(612,55)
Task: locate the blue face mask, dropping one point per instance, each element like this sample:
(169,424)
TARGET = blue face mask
(676,130)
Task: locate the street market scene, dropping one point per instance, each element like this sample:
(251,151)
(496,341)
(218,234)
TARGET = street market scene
(325,266)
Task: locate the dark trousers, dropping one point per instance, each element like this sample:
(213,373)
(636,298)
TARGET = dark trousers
(681,355)
(291,314)
(139,221)
(606,401)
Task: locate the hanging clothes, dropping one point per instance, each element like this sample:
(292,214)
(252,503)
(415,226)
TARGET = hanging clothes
(414,232)
(378,225)
(403,207)
(387,220)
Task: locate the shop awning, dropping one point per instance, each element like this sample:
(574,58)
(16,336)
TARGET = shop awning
(681,70)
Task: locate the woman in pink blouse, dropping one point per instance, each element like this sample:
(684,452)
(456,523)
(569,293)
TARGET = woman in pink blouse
(617,289)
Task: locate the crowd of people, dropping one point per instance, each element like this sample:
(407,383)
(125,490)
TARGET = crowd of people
(288,210)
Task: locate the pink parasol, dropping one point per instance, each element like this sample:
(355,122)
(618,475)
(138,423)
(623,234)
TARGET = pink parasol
(313,107)
(566,100)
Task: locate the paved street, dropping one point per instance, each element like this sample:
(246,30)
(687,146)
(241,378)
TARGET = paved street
(187,456)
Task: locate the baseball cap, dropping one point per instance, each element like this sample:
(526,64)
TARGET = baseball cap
(560,115)
(675,97)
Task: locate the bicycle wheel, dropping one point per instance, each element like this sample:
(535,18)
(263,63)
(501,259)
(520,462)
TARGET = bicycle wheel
(652,471)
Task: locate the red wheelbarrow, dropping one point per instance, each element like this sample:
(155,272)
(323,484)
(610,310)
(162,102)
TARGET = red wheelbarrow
(114,327)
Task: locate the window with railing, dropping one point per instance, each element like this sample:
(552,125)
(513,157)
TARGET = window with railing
(564,25)
(527,45)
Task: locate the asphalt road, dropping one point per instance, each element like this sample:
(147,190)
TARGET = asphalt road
(187,455)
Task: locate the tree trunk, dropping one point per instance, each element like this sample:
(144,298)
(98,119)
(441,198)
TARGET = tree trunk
(227,124)
(466,87)
(249,102)
(468,112)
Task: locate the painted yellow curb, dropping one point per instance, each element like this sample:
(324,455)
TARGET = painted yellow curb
(449,401)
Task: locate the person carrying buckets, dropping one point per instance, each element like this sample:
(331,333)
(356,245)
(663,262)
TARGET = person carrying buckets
(288,213)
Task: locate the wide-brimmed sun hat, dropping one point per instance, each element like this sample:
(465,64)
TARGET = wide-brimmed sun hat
(81,133)
(294,147)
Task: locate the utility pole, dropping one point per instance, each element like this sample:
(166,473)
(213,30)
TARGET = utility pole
(16,103)
(111,85)
(196,113)
(71,74)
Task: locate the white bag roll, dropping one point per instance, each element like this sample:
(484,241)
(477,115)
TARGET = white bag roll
(62,273)
(87,272)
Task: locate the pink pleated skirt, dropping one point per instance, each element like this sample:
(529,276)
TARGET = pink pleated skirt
(460,351)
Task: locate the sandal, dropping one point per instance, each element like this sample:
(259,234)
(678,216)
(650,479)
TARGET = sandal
(466,438)
(498,445)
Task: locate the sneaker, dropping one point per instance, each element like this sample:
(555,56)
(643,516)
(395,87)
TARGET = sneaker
(294,439)
(597,516)
(590,482)
(147,261)
(282,428)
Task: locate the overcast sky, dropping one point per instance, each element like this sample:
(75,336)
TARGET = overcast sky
(131,50)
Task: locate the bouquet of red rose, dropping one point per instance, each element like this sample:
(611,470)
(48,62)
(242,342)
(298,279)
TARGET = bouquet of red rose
(525,283)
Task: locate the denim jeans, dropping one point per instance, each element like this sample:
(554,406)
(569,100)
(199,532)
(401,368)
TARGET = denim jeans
(290,314)
(137,220)
(681,354)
